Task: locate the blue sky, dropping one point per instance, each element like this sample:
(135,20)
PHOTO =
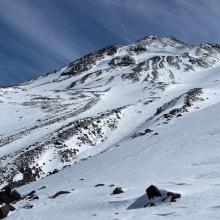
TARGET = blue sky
(38,36)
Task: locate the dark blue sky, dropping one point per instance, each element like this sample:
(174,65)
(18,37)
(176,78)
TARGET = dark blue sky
(37,36)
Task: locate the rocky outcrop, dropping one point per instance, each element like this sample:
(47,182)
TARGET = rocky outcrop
(154,197)
(157,196)
(122,61)
(85,63)
(189,98)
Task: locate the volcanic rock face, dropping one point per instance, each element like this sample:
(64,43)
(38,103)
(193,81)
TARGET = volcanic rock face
(85,63)
(62,116)
(122,61)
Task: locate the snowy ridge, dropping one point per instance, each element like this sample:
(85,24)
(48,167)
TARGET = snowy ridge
(126,115)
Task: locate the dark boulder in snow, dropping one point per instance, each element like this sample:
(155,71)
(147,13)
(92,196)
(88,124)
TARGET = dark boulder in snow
(148,130)
(117,190)
(15,196)
(4,210)
(7,195)
(100,184)
(157,196)
(28,206)
(31,196)
(154,197)
(85,63)
(59,193)
(152,191)
(173,196)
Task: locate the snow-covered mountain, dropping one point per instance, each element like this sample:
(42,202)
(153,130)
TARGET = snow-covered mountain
(132,116)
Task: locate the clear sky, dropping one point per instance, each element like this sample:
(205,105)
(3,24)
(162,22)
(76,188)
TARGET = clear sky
(38,36)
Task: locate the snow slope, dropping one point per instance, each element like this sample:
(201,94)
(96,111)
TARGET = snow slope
(86,124)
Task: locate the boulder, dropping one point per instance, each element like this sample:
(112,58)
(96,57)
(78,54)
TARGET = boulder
(173,196)
(59,193)
(148,130)
(28,206)
(4,210)
(157,196)
(5,196)
(15,196)
(117,190)
(100,184)
(152,191)
(31,196)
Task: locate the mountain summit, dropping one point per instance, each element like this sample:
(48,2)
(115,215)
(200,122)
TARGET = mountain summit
(128,116)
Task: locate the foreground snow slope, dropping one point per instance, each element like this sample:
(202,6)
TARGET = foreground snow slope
(131,116)
(183,157)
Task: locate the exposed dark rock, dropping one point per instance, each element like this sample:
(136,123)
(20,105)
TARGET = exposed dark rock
(59,193)
(122,61)
(43,187)
(4,210)
(7,195)
(23,160)
(135,135)
(152,191)
(138,48)
(85,63)
(31,196)
(28,176)
(100,184)
(148,130)
(157,196)
(173,196)
(68,154)
(53,172)
(30,193)
(117,190)
(133,76)
(149,204)
(15,196)
(28,206)
(193,95)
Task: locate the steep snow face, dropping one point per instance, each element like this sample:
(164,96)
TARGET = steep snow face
(131,115)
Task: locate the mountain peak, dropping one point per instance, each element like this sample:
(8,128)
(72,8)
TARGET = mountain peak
(166,41)
(119,116)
